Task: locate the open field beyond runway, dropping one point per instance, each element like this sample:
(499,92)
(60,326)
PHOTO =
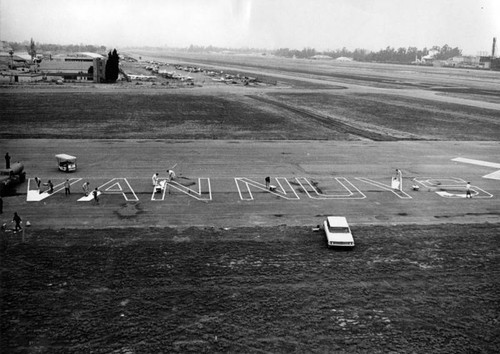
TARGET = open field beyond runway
(221,264)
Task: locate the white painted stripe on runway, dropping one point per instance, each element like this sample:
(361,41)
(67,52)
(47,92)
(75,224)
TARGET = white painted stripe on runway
(89,197)
(476,162)
(37,195)
(494,175)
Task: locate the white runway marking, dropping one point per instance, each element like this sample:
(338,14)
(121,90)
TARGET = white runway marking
(89,198)
(114,186)
(477,162)
(450,187)
(243,184)
(204,192)
(312,191)
(36,195)
(400,194)
(494,175)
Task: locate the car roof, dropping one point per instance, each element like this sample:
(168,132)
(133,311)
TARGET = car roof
(65,157)
(338,221)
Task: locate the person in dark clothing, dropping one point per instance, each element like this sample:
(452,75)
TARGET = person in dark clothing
(38,181)
(95,193)
(17,219)
(50,186)
(268,181)
(7,160)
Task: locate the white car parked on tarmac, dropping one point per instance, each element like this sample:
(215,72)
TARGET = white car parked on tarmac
(338,232)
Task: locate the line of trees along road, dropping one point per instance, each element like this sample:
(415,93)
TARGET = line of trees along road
(387,55)
(55,48)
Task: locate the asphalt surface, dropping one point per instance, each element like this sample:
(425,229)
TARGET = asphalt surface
(345,178)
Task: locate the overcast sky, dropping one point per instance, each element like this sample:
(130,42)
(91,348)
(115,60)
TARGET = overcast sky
(320,24)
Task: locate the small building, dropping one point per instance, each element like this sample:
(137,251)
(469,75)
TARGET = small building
(430,58)
(12,61)
(466,62)
(485,62)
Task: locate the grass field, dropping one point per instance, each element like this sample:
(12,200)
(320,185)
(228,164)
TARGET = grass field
(402,289)
(275,289)
(283,116)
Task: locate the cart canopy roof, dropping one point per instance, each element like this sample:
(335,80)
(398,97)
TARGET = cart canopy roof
(65,157)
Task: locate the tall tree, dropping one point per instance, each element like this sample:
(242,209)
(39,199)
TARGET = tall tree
(112,67)
(32,49)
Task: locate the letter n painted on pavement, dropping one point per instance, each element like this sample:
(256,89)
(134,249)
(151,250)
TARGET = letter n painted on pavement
(386,187)
(283,188)
(204,192)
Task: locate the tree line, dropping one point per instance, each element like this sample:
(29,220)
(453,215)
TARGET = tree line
(387,55)
(26,46)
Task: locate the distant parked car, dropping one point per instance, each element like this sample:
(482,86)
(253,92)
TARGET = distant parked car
(337,232)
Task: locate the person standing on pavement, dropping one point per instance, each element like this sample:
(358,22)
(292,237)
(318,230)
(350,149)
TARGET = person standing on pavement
(467,191)
(95,193)
(7,160)
(38,181)
(399,176)
(67,187)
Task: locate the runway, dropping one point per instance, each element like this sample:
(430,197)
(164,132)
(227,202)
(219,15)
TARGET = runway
(221,183)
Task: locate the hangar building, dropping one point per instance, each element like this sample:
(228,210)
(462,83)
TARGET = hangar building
(75,66)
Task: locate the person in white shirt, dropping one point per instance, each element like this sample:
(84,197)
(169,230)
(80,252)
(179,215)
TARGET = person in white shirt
(86,188)
(155,179)
(467,191)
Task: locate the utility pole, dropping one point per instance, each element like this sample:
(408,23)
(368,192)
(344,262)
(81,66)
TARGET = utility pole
(11,52)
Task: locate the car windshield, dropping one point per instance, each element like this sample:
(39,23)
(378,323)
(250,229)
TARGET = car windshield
(339,230)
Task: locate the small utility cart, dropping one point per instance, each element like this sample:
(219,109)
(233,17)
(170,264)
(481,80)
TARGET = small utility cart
(66,163)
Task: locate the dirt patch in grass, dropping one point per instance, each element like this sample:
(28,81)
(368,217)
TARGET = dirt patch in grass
(410,288)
